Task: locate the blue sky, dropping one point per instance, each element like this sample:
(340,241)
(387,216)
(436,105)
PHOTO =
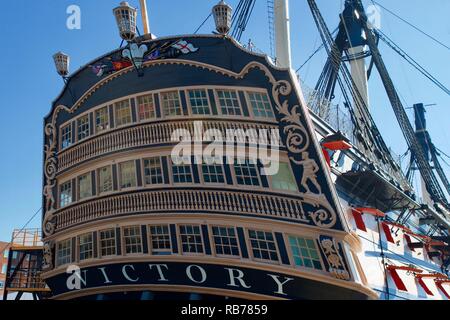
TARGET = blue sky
(37,29)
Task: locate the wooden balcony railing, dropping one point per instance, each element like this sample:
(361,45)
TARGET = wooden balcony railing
(175,201)
(142,135)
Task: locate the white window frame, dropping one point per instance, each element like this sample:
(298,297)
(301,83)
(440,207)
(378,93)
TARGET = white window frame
(121,105)
(107,241)
(160,251)
(235,175)
(252,107)
(90,244)
(239,255)
(144,176)
(219,105)
(83,127)
(250,246)
(99,184)
(292,256)
(66,203)
(121,187)
(138,244)
(171,99)
(191,107)
(202,242)
(67,258)
(70,133)
(108,120)
(151,112)
(271,178)
(91,193)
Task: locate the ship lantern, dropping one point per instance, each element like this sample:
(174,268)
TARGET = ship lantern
(222,17)
(62,61)
(126,21)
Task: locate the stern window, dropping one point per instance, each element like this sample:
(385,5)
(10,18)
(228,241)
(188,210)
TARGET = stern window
(305,253)
(229,103)
(160,240)
(261,105)
(123,113)
(66,136)
(133,239)
(83,127)
(171,103)
(86,244)
(64,252)
(263,245)
(146,107)
(199,102)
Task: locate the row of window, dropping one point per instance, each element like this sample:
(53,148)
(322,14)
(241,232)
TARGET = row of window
(246,173)
(199,103)
(191,239)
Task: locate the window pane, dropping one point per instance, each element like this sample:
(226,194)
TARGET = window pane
(65,194)
(181,173)
(133,240)
(108,242)
(105,183)
(305,253)
(101,120)
(246,173)
(199,102)
(86,246)
(146,107)
(212,172)
(260,105)
(160,240)
(284,179)
(225,241)
(122,113)
(85,186)
(229,102)
(83,127)
(127,175)
(66,136)
(171,104)
(191,239)
(263,245)
(153,171)
(64,252)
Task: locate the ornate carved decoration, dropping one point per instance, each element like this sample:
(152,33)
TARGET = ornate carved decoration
(331,251)
(49,248)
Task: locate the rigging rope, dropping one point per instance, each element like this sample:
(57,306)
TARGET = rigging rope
(23,228)
(412,25)
(411,61)
(315,52)
(203,23)
(241,18)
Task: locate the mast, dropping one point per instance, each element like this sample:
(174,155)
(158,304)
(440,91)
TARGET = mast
(144,16)
(356,43)
(359,72)
(282,33)
(422,134)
